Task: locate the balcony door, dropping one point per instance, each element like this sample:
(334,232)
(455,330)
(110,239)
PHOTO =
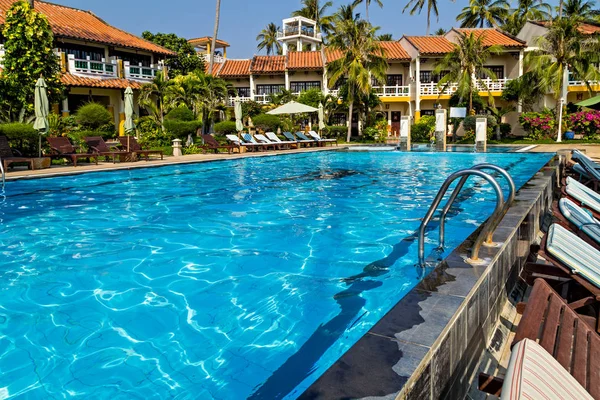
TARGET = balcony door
(394,80)
(396,122)
(498,70)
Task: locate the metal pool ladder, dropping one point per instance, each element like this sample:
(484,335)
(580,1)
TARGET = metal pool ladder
(487,232)
(3,173)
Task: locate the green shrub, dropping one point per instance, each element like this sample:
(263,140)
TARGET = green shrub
(181,129)
(181,113)
(505,129)
(92,116)
(225,128)
(22,137)
(422,130)
(539,125)
(251,109)
(193,149)
(471,120)
(267,123)
(370,133)
(335,131)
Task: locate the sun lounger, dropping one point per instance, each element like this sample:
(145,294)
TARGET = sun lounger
(555,352)
(8,155)
(211,143)
(62,148)
(250,146)
(274,138)
(579,220)
(98,146)
(582,195)
(306,139)
(289,136)
(588,166)
(263,139)
(248,138)
(130,143)
(318,138)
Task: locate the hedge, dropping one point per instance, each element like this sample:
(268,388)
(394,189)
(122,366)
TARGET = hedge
(267,123)
(22,137)
(93,116)
(225,127)
(181,129)
(181,113)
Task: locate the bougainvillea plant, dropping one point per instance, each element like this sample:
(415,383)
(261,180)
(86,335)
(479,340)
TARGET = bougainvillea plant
(586,123)
(539,125)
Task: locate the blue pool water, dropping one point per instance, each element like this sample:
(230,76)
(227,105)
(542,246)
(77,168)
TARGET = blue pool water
(228,280)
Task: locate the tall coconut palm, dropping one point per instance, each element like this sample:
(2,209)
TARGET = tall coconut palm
(187,90)
(153,95)
(440,32)
(367,4)
(313,9)
(385,37)
(535,10)
(417,6)
(214,38)
(480,13)
(362,57)
(582,9)
(563,49)
(465,64)
(267,39)
(215,92)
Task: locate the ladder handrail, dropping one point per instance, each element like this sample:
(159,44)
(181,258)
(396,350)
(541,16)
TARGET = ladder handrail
(459,186)
(438,198)
(3,173)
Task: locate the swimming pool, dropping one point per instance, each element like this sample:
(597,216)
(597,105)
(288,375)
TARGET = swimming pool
(234,279)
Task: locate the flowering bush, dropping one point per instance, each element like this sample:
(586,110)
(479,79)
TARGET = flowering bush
(585,122)
(539,125)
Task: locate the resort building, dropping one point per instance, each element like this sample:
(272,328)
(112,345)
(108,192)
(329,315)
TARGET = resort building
(98,61)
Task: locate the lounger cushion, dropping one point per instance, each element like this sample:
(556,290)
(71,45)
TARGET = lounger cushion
(580,218)
(534,374)
(580,257)
(583,194)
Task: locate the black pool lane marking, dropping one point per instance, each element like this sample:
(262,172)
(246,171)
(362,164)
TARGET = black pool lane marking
(302,363)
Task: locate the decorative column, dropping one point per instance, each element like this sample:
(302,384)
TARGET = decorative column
(417,89)
(481,134)
(65,107)
(441,128)
(251,87)
(520,102)
(287,80)
(405,144)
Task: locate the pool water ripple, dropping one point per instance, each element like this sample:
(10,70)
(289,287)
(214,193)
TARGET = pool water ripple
(237,279)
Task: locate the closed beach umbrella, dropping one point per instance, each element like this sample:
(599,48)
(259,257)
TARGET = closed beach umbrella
(41,110)
(129,124)
(321,117)
(237,108)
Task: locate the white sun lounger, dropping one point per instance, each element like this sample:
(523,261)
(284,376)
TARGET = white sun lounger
(235,140)
(318,138)
(583,194)
(263,139)
(274,138)
(580,218)
(533,371)
(579,256)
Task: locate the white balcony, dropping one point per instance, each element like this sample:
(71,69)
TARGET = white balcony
(295,33)
(218,59)
(582,83)
(432,88)
(392,91)
(139,72)
(231,100)
(492,85)
(262,98)
(89,67)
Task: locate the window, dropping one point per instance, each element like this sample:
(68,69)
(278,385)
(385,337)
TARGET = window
(82,52)
(429,76)
(498,70)
(134,59)
(394,80)
(428,112)
(338,119)
(269,89)
(243,91)
(297,87)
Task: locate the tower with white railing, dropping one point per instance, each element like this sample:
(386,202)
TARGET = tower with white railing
(299,33)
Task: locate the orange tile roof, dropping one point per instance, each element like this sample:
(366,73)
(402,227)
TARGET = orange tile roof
(268,64)
(584,28)
(492,37)
(67,22)
(333,55)
(216,67)
(306,60)
(206,40)
(117,83)
(394,51)
(430,45)
(235,68)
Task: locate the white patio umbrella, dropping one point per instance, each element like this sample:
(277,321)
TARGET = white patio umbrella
(41,109)
(321,117)
(293,108)
(237,109)
(129,124)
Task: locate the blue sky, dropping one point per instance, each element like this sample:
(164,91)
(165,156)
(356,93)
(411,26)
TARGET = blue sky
(242,20)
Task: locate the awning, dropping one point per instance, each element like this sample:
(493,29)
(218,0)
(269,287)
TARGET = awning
(593,102)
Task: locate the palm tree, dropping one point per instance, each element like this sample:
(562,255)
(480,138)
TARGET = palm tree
(480,13)
(581,9)
(362,57)
(312,9)
(440,32)
(417,6)
(563,50)
(152,97)
(268,39)
(214,38)
(465,64)
(385,37)
(283,97)
(534,10)
(215,92)
(187,90)
(367,4)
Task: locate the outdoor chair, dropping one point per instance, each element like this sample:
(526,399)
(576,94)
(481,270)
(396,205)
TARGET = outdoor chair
(129,143)
(276,145)
(578,220)
(582,195)
(318,138)
(555,351)
(8,155)
(304,138)
(98,146)
(274,138)
(289,136)
(586,168)
(250,146)
(62,148)
(210,143)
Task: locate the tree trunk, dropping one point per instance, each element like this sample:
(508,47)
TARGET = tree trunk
(32,3)
(367,10)
(350,122)
(214,38)
(428,23)
(470,100)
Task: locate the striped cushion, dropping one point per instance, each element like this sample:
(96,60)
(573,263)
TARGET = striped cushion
(533,374)
(580,218)
(583,194)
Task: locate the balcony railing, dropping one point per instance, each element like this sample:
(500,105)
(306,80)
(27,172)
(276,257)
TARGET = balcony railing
(92,67)
(262,98)
(218,59)
(139,72)
(391,91)
(482,85)
(295,31)
(491,85)
(432,88)
(231,100)
(582,83)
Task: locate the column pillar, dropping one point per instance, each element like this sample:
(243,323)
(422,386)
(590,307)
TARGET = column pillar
(405,144)
(481,134)
(251,87)
(285,48)
(441,128)
(417,89)
(325,81)
(287,80)
(65,107)
(299,45)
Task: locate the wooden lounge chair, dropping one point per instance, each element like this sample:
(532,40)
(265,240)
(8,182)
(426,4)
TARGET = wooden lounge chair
(210,143)
(8,155)
(565,338)
(276,145)
(321,140)
(130,143)
(98,146)
(62,148)
(250,146)
(578,220)
(248,138)
(582,195)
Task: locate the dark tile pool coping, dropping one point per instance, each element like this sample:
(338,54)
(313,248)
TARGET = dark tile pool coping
(428,345)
